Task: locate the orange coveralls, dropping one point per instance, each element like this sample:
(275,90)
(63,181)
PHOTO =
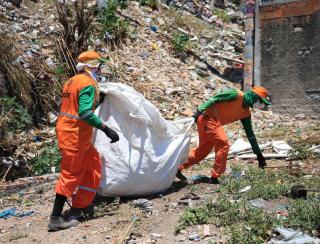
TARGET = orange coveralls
(211,133)
(81,163)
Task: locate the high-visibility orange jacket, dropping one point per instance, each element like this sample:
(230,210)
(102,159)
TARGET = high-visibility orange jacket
(230,111)
(72,132)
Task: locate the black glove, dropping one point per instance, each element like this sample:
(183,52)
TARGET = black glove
(196,116)
(111,134)
(261,160)
(101,97)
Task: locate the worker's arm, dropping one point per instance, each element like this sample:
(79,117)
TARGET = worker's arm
(250,135)
(224,96)
(85,111)
(86,103)
(253,141)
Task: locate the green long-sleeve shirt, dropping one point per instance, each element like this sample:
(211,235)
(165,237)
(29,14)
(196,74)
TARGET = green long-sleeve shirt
(86,107)
(229,95)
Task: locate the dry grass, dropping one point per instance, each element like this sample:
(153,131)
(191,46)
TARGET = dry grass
(34,87)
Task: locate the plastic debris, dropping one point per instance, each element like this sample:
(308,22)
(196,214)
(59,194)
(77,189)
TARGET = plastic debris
(281,147)
(154,28)
(285,235)
(6,214)
(206,230)
(143,204)
(247,188)
(194,237)
(258,203)
(239,145)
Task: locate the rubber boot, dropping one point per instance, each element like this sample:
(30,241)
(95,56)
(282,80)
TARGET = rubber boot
(79,214)
(214,181)
(59,223)
(180,176)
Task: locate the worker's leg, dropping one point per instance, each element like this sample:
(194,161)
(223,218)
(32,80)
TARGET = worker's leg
(72,171)
(70,176)
(204,148)
(218,138)
(90,180)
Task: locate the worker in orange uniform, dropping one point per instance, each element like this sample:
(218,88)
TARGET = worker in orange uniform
(80,163)
(222,109)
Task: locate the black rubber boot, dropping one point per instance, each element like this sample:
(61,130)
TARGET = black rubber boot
(59,223)
(180,176)
(215,181)
(79,214)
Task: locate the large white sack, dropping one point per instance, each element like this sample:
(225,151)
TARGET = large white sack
(146,158)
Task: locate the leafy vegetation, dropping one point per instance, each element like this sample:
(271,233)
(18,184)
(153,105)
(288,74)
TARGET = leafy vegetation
(113,27)
(244,223)
(48,157)
(304,215)
(13,116)
(150,3)
(300,151)
(222,14)
(180,42)
(266,185)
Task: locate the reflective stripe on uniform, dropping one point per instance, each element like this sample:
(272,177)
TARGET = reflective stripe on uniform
(71,116)
(87,189)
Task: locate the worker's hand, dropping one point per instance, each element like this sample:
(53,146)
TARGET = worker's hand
(110,133)
(196,115)
(261,160)
(101,97)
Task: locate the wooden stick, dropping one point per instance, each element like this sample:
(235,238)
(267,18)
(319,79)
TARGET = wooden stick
(127,230)
(5,175)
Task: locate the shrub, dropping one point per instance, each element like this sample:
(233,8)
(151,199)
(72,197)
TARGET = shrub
(13,116)
(180,42)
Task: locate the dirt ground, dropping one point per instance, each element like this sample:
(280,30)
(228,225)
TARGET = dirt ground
(166,210)
(114,217)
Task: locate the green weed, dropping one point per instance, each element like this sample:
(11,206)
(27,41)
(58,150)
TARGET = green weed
(246,224)
(150,3)
(13,116)
(304,215)
(263,184)
(49,157)
(299,151)
(222,14)
(180,42)
(113,26)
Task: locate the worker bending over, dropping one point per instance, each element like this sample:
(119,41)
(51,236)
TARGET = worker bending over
(222,109)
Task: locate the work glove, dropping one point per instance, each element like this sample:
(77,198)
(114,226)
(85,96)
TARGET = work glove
(110,133)
(101,97)
(261,160)
(196,115)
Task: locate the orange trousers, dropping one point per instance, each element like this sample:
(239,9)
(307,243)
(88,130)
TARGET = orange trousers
(211,134)
(80,176)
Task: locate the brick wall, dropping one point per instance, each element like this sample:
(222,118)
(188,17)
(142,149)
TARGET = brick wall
(290,55)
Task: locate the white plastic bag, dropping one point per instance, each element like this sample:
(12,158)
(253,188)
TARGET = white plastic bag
(146,158)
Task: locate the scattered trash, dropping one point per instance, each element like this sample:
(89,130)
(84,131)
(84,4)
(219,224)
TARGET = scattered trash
(315,149)
(154,28)
(206,230)
(180,238)
(6,214)
(194,237)
(155,236)
(237,174)
(301,191)
(247,188)
(281,147)
(199,179)
(191,196)
(284,235)
(143,204)
(258,203)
